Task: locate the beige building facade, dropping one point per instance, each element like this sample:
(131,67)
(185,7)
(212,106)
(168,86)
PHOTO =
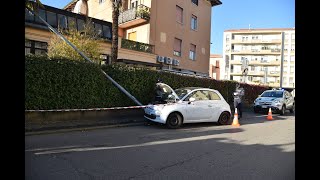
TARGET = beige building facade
(260,56)
(171,35)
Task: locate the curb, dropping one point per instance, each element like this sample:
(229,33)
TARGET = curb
(84,128)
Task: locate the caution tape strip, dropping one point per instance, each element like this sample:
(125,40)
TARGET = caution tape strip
(91,109)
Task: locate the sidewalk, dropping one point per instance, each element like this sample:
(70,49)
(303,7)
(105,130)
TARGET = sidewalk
(40,122)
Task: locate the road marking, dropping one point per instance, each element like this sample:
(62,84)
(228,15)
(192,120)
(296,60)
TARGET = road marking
(44,149)
(127,146)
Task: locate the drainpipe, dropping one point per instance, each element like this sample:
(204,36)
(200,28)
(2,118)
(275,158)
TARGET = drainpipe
(86,58)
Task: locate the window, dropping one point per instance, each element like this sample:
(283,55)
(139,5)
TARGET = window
(213,96)
(198,95)
(179,14)
(194,22)
(52,19)
(80,24)
(98,29)
(42,14)
(62,21)
(292,47)
(192,53)
(133,4)
(195,2)
(28,15)
(177,47)
(101,1)
(291,69)
(35,47)
(291,58)
(293,36)
(291,80)
(106,32)
(72,22)
(132,36)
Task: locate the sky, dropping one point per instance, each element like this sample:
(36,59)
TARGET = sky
(237,14)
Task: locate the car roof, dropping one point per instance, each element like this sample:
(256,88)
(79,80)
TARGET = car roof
(193,88)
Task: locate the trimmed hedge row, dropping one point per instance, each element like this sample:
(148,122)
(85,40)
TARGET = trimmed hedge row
(61,84)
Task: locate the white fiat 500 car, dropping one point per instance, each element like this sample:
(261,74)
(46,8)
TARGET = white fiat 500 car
(188,105)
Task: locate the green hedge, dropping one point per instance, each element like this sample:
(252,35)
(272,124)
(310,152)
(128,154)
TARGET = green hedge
(60,84)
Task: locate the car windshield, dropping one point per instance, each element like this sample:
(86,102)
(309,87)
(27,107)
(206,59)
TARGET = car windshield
(272,94)
(182,92)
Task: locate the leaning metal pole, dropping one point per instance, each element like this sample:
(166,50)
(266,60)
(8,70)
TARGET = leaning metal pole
(86,58)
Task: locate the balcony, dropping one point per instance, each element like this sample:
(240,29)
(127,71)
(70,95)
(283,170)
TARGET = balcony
(261,63)
(274,74)
(137,46)
(256,41)
(134,17)
(256,51)
(235,62)
(256,74)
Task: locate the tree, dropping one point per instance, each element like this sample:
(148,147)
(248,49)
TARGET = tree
(116,4)
(33,4)
(85,40)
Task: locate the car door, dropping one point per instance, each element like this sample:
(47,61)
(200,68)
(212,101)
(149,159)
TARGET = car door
(198,110)
(288,100)
(215,105)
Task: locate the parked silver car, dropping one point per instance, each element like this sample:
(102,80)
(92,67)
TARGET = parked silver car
(188,105)
(279,100)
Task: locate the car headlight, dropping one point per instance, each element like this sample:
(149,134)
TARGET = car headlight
(276,101)
(157,113)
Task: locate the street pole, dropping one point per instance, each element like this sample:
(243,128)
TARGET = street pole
(282,54)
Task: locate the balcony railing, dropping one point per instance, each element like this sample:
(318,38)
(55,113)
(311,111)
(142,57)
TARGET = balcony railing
(141,11)
(137,46)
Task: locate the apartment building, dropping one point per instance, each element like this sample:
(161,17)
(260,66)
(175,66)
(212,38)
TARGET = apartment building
(171,35)
(260,56)
(216,66)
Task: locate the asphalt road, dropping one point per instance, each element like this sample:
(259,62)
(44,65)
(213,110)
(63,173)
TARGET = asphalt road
(258,149)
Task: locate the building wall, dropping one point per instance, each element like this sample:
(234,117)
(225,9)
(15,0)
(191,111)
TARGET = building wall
(164,28)
(251,44)
(101,11)
(143,33)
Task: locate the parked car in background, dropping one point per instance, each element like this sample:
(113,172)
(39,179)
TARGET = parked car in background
(188,105)
(279,100)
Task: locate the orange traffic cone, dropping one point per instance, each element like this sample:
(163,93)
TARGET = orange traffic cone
(235,119)
(270,115)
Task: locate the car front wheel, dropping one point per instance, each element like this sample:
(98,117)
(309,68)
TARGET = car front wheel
(283,110)
(174,121)
(224,118)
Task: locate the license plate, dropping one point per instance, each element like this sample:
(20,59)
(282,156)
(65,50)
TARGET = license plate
(264,106)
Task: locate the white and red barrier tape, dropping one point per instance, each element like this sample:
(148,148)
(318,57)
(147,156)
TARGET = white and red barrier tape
(91,109)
